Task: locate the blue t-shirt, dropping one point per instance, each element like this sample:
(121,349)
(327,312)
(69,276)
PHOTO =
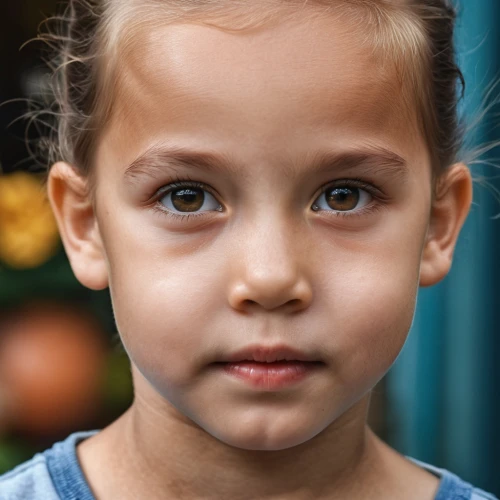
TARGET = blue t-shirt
(56,475)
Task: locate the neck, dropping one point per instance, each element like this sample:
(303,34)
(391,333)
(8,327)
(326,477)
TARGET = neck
(155,449)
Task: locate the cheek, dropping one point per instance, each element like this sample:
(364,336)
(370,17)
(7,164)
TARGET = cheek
(378,334)
(371,316)
(161,305)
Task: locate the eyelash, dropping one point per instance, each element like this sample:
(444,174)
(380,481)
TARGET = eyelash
(375,193)
(179,184)
(344,183)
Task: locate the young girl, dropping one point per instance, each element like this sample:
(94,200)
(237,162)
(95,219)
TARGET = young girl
(263,185)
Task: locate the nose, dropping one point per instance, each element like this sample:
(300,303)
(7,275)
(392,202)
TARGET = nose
(270,271)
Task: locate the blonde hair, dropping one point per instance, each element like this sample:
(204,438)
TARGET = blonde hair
(415,35)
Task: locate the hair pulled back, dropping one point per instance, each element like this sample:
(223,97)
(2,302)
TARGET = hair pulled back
(86,33)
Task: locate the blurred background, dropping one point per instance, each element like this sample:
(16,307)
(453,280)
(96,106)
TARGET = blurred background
(61,365)
(62,368)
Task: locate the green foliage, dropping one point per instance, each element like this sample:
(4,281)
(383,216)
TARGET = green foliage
(12,453)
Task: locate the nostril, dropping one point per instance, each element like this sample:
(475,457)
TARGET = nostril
(250,296)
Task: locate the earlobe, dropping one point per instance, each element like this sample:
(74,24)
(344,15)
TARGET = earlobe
(69,196)
(449,210)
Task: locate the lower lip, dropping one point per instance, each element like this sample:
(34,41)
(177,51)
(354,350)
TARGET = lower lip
(271,376)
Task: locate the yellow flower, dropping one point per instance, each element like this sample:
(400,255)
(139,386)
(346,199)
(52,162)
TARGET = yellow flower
(28,231)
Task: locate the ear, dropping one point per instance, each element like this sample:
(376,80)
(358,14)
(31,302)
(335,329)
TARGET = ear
(449,210)
(72,205)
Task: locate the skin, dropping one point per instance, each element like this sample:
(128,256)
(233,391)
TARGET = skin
(264,269)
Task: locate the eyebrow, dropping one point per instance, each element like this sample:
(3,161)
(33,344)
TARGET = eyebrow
(159,157)
(372,159)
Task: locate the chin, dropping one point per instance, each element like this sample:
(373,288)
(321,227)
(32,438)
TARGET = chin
(265,438)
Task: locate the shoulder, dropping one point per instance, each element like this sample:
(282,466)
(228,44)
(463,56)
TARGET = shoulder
(454,488)
(28,481)
(478,494)
(49,475)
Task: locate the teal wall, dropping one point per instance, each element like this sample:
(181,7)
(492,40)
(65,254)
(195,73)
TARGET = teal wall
(444,388)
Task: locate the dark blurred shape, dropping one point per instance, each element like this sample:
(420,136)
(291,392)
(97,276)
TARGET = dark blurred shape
(19,71)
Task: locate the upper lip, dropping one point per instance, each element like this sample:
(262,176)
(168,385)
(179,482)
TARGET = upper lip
(268,354)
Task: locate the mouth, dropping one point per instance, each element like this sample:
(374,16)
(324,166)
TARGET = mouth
(270,354)
(270,368)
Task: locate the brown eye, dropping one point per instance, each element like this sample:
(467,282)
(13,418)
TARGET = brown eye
(189,200)
(342,199)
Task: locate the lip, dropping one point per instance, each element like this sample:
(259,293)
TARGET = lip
(268,354)
(272,376)
(270,368)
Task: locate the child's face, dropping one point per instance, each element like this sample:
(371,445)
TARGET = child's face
(267,259)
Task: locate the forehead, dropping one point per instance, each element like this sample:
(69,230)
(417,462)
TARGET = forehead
(305,73)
